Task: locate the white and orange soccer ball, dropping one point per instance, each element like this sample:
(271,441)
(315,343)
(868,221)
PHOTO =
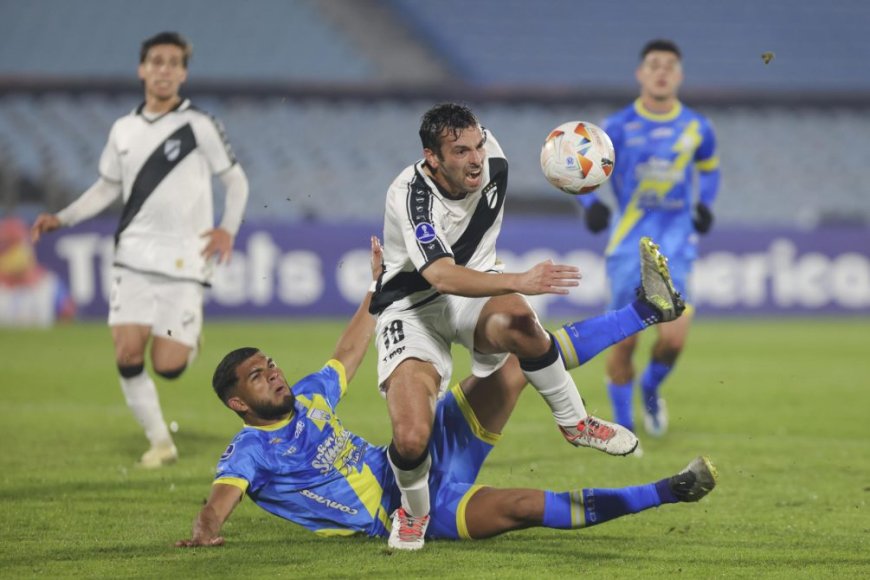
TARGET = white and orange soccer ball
(577,157)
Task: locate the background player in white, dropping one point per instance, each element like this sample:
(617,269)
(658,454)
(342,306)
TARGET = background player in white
(160,158)
(442,284)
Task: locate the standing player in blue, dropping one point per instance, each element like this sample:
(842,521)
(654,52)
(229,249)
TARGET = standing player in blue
(662,149)
(295,459)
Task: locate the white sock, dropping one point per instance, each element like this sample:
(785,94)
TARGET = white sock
(557,387)
(141,395)
(414,485)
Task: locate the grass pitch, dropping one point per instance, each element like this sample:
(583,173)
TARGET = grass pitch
(781,407)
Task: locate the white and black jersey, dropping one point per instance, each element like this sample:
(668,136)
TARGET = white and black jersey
(165,166)
(421,225)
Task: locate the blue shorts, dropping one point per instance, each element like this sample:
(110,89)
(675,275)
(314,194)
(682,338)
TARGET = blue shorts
(623,275)
(459,447)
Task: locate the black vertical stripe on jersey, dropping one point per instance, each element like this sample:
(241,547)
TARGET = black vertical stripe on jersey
(407,283)
(419,206)
(153,172)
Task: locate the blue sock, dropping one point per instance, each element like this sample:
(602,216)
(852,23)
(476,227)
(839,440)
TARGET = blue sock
(563,510)
(602,505)
(646,312)
(650,381)
(580,509)
(580,341)
(621,399)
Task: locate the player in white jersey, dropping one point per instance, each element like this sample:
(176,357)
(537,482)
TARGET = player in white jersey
(160,158)
(442,284)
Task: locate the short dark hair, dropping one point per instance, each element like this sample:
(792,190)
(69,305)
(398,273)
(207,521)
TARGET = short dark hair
(663,45)
(166,38)
(225,378)
(444,117)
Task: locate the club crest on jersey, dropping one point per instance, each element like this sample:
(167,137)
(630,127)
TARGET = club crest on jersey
(172,149)
(229,451)
(490,192)
(424,232)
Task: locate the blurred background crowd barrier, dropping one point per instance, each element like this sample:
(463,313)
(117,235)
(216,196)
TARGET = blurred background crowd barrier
(322,101)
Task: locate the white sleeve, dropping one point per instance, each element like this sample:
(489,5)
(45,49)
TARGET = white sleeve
(90,203)
(236,184)
(212,141)
(110,160)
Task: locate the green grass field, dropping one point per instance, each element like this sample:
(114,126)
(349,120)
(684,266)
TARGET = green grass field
(781,407)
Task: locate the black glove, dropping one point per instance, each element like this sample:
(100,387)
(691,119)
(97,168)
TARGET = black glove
(597,217)
(703,219)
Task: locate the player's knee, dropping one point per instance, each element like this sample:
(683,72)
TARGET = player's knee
(130,371)
(170,373)
(411,441)
(525,337)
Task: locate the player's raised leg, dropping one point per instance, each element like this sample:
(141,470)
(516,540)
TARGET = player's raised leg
(657,301)
(492,511)
(508,324)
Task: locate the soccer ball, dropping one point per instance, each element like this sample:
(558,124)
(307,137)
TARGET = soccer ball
(577,157)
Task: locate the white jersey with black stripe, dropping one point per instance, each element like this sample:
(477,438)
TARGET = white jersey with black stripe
(165,166)
(421,225)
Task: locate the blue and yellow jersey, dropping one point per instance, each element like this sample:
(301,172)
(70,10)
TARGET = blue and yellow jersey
(311,470)
(657,158)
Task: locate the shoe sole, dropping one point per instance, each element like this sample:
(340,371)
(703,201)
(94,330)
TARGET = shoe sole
(671,306)
(706,474)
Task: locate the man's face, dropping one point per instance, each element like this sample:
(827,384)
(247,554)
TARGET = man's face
(660,75)
(458,166)
(163,71)
(262,388)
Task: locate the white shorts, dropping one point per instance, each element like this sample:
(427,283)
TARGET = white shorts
(172,308)
(427,333)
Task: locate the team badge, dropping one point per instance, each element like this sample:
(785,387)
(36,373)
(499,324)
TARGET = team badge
(229,451)
(424,232)
(172,149)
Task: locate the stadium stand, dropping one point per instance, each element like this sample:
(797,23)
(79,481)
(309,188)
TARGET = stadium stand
(329,153)
(312,159)
(563,42)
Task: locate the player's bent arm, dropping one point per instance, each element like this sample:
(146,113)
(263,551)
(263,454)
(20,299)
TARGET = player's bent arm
(207,526)
(545,278)
(235,184)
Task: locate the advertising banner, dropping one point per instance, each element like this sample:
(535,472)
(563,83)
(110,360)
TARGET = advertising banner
(322,270)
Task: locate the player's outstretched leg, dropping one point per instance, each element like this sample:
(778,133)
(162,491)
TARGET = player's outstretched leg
(494,511)
(657,301)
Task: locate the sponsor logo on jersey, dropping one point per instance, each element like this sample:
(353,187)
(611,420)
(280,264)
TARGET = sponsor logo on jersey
(329,503)
(661,133)
(300,426)
(229,451)
(333,452)
(275,440)
(318,415)
(424,232)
